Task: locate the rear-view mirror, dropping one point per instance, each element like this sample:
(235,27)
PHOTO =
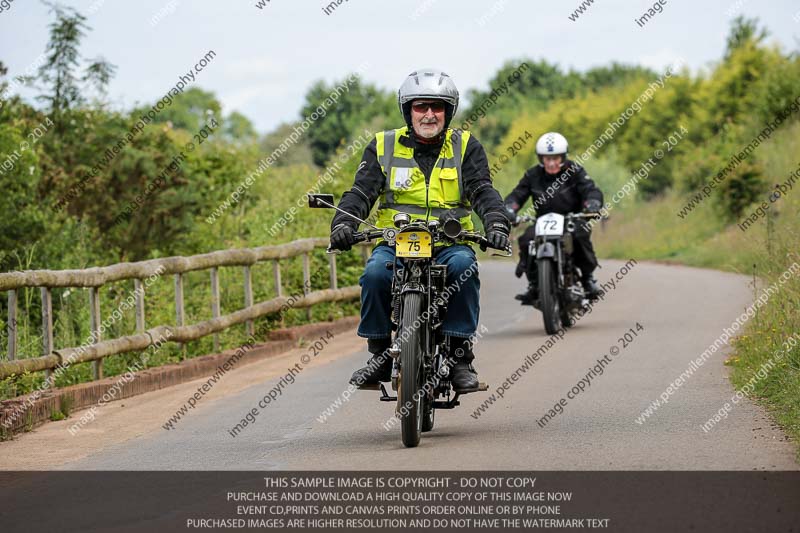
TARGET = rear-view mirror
(322,201)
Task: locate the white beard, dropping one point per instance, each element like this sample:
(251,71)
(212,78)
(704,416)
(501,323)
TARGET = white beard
(437,132)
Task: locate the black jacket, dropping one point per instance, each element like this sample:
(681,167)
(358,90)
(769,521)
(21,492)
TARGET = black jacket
(370,180)
(563,193)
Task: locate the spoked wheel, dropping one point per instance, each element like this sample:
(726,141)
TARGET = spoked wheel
(410,396)
(548,297)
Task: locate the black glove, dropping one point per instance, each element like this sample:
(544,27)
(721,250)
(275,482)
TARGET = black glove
(592,206)
(497,231)
(342,237)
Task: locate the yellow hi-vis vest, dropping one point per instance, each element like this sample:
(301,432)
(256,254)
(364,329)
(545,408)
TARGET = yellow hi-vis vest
(405,190)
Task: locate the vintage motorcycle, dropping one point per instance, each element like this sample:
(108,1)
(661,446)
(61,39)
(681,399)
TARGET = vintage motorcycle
(560,294)
(421,367)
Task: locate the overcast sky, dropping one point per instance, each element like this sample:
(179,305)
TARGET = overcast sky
(267,58)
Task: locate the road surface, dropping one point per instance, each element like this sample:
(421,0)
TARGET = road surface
(681,310)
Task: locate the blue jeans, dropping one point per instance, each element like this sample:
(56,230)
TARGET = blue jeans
(462,282)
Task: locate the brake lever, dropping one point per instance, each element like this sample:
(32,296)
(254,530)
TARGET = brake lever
(509,252)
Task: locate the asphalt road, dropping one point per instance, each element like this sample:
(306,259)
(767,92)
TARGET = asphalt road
(681,312)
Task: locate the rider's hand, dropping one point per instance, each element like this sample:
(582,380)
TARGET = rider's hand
(592,205)
(497,231)
(342,237)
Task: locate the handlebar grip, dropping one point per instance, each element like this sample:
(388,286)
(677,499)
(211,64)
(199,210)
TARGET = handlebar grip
(358,236)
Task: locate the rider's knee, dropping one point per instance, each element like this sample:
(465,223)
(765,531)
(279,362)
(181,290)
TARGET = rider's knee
(460,264)
(376,275)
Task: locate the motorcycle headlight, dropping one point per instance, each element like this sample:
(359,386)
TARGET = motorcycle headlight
(452,227)
(401,219)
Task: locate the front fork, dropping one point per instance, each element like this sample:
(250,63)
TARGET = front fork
(548,249)
(416,277)
(436,344)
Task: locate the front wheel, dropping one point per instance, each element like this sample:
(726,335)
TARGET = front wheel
(548,296)
(410,396)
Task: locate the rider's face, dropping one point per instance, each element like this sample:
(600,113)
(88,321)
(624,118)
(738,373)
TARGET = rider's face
(427,118)
(552,163)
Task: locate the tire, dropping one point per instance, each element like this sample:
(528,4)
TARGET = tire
(410,397)
(548,297)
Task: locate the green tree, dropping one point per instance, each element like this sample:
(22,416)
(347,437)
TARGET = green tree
(615,75)
(238,128)
(743,31)
(189,111)
(63,88)
(535,84)
(18,179)
(359,104)
(300,153)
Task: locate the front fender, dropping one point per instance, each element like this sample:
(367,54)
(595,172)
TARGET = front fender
(546,250)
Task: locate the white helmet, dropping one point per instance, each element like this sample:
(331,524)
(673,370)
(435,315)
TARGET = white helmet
(428,83)
(552,143)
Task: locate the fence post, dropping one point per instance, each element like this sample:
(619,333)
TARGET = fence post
(307,280)
(12,324)
(94,320)
(47,330)
(276,272)
(179,307)
(364,253)
(215,302)
(248,298)
(138,291)
(332,264)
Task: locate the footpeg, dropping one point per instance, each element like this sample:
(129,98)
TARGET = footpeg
(480,388)
(385,396)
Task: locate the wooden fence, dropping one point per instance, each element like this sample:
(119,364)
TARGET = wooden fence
(94,278)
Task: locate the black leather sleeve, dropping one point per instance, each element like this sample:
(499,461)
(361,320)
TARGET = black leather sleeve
(366,189)
(586,186)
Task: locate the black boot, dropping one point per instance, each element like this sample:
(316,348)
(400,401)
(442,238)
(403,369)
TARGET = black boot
(463,375)
(590,287)
(528,297)
(379,366)
(520,270)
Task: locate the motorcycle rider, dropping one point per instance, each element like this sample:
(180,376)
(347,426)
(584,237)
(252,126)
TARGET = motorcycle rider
(556,185)
(424,169)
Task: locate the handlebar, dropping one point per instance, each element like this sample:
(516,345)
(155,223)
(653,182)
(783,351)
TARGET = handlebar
(369,235)
(481,241)
(528,218)
(358,236)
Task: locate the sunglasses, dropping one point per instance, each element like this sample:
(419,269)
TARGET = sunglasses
(422,107)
